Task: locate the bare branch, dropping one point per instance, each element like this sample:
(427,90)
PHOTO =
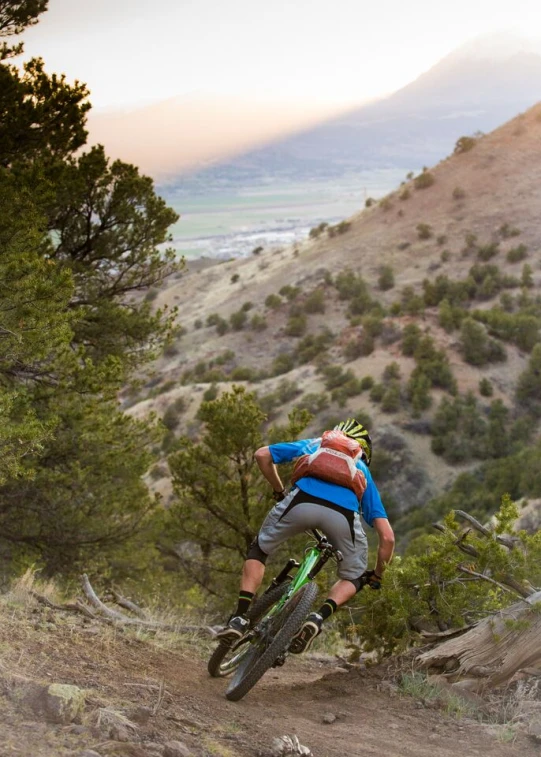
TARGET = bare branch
(482,576)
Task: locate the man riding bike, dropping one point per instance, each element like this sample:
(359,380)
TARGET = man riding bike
(332,487)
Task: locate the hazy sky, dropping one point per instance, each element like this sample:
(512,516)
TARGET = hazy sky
(331,51)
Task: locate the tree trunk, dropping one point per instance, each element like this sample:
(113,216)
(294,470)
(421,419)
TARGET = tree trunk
(494,650)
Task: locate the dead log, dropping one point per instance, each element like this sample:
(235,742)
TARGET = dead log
(120,618)
(127,604)
(495,649)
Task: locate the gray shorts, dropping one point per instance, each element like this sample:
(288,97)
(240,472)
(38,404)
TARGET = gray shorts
(343,528)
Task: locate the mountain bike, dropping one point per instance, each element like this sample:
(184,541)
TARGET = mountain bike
(275,618)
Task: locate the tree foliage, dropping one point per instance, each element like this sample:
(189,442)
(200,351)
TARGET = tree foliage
(80,238)
(427,590)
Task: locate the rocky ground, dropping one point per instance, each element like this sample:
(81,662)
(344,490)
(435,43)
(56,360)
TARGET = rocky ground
(148,695)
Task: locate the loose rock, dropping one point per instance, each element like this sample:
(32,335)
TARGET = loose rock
(89,753)
(176,749)
(62,703)
(289,745)
(329,718)
(534,731)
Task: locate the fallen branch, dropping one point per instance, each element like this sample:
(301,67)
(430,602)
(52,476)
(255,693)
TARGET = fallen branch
(76,606)
(508,541)
(450,634)
(122,619)
(482,576)
(127,604)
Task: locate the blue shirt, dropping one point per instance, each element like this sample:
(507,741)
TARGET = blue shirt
(371,505)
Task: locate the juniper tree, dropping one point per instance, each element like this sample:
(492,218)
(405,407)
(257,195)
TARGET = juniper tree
(80,239)
(221,496)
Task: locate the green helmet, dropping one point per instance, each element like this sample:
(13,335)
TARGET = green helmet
(357,431)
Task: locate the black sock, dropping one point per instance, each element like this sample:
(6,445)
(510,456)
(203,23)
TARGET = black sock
(245,600)
(327,608)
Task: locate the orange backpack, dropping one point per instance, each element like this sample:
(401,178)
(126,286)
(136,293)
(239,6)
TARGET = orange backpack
(334,462)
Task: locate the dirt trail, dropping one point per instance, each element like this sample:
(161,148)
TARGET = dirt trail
(122,672)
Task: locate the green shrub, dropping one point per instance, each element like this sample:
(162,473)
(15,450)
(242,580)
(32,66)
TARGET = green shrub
(273,301)
(464,144)
(526,280)
(151,295)
(257,250)
(258,322)
(424,180)
(411,337)
(247,306)
(386,278)
(369,202)
(198,324)
(377,392)
(529,382)
(287,391)
(289,292)
(315,302)
(211,393)
(485,388)
(171,417)
(238,320)
(296,325)
(313,402)
(225,357)
(243,373)
(367,382)
(412,303)
(418,391)
(340,228)
(313,345)
(235,277)
(282,364)
(445,256)
(516,254)
(317,230)
(391,371)
(441,239)
(405,194)
(424,230)
(391,400)
(488,251)
(449,317)
(507,231)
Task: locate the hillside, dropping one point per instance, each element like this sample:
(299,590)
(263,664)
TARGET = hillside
(492,191)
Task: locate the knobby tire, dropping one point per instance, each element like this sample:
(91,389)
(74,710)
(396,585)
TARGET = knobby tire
(218,663)
(257,660)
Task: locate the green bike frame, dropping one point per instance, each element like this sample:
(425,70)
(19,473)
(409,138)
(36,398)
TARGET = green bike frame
(304,574)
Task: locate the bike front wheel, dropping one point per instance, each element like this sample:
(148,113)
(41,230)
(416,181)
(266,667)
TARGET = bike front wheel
(265,650)
(226,658)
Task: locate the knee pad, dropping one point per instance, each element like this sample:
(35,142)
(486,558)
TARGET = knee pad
(256,553)
(358,583)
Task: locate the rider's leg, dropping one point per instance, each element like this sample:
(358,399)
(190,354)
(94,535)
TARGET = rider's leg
(345,532)
(253,572)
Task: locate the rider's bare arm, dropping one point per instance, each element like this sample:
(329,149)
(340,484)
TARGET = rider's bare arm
(263,458)
(386,544)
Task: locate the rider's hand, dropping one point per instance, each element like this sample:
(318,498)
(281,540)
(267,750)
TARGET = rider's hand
(372,579)
(279,496)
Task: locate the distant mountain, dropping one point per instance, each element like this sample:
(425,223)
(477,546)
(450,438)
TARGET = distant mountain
(475,88)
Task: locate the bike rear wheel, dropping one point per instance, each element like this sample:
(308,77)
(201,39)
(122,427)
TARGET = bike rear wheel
(226,657)
(265,650)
